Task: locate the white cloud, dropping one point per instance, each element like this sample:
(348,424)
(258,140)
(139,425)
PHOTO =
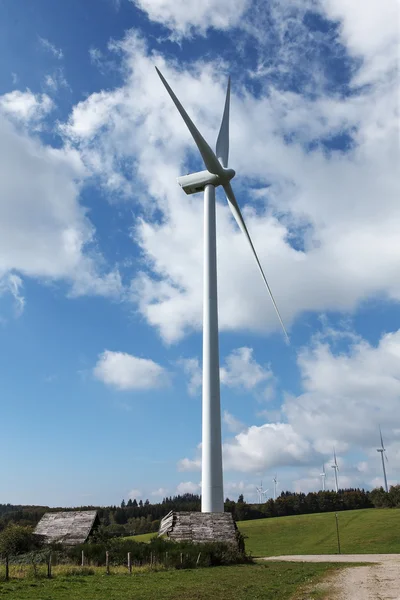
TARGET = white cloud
(44,231)
(231,422)
(135,494)
(347,395)
(240,371)
(56,80)
(190,17)
(192,369)
(26,107)
(369,31)
(12,284)
(126,372)
(243,371)
(260,448)
(56,52)
(89,116)
(233,489)
(160,493)
(185,464)
(188,487)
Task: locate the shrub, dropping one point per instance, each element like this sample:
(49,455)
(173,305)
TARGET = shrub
(16,539)
(174,554)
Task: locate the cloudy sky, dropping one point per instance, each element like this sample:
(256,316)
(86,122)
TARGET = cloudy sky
(101,251)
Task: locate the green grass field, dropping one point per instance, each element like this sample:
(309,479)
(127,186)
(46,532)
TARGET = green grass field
(364,531)
(143,537)
(274,581)
(361,532)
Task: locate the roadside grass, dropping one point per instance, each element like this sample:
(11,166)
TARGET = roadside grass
(366,531)
(271,581)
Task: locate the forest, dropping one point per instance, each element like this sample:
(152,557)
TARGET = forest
(135,517)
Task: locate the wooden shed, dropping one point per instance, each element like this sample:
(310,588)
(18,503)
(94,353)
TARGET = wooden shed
(70,527)
(199,527)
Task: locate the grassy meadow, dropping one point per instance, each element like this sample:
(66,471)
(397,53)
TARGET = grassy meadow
(366,531)
(272,581)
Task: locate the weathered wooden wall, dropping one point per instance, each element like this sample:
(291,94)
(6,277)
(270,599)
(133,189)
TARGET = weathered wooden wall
(199,527)
(71,527)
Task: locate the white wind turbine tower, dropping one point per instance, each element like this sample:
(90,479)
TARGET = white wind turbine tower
(217,173)
(275,484)
(323,475)
(335,466)
(382,450)
(261,493)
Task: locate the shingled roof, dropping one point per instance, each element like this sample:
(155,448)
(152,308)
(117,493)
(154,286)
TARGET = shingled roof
(199,527)
(71,527)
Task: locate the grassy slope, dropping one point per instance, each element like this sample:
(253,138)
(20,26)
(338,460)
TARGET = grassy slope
(274,581)
(361,531)
(143,537)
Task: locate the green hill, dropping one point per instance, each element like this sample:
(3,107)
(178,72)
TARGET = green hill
(363,531)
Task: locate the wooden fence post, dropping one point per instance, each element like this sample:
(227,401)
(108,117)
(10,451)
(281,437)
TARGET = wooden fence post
(129,562)
(181,558)
(83,559)
(49,566)
(107,564)
(7,569)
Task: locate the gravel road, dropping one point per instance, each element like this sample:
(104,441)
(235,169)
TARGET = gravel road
(378,581)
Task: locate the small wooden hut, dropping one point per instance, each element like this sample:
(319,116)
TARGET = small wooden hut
(71,527)
(199,527)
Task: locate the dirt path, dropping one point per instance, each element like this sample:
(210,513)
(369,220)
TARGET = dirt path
(378,581)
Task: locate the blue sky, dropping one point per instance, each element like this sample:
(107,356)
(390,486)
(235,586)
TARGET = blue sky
(101,251)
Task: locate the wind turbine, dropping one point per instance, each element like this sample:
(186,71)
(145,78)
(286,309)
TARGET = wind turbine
(275,484)
(323,475)
(261,493)
(382,450)
(216,173)
(335,466)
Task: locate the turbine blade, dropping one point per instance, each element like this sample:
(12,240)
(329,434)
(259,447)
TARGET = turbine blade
(233,205)
(385,455)
(382,446)
(210,160)
(222,147)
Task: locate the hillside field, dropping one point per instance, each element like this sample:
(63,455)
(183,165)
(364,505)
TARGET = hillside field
(364,531)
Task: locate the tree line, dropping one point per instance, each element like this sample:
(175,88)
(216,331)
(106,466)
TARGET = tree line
(134,517)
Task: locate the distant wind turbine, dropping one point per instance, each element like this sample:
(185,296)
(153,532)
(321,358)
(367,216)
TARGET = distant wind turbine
(261,493)
(382,450)
(335,466)
(275,484)
(323,475)
(217,173)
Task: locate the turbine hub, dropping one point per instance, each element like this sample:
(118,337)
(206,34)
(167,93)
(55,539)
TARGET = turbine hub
(229,173)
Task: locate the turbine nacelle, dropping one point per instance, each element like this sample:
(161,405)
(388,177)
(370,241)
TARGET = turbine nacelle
(196,182)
